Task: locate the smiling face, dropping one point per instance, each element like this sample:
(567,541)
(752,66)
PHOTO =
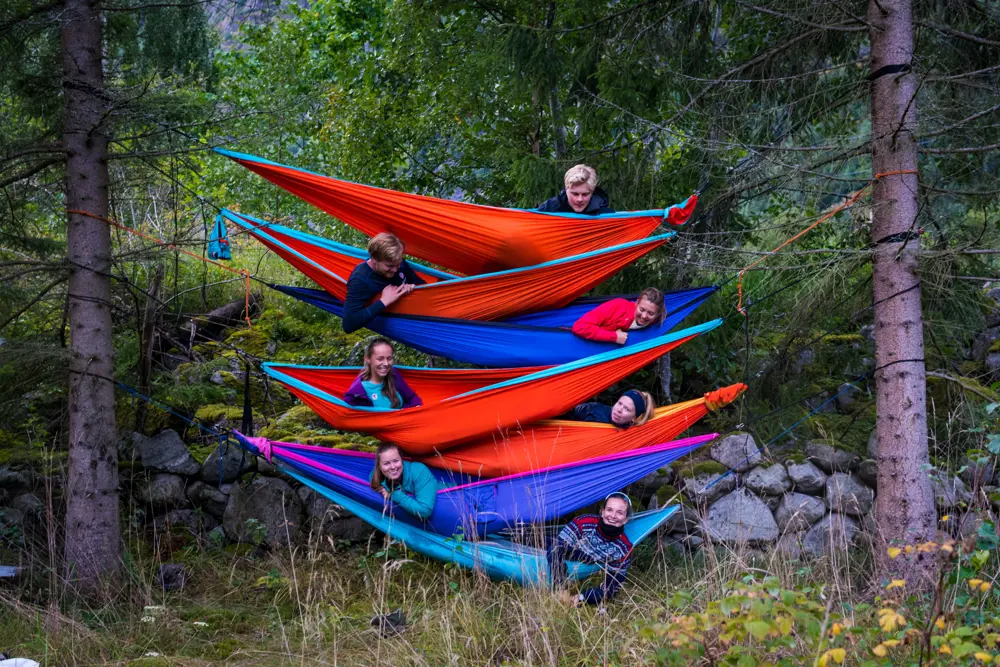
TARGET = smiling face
(646,312)
(380,361)
(623,413)
(387,270)
(579,196)
(391,464)
(615,512)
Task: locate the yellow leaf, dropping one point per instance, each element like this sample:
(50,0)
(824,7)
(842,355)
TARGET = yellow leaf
(896,583)
(837,629)
(894,551)
(947,547)
(982,657)
(946,517)
(974,583)
(880,651)
(985,588)
(939,623)
(889,620)
(891,643)
(838,655)
(945,649)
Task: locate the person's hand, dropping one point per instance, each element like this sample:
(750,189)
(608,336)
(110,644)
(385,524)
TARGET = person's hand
(385,493)
(390,293)
(622,337)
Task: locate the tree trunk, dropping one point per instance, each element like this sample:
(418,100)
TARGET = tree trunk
(905,509)
(93,535)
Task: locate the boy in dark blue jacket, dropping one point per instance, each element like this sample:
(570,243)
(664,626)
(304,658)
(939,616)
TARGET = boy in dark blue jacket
(384,273)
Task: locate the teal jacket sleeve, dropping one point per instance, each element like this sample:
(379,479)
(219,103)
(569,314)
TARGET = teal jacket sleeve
(420,492)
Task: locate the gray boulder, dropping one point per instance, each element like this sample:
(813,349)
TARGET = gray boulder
(706,489)
(806,477)
(165,452)
(172,577)
(830,459)
(209,498)
(846,495)
(977,472)
(11,518)
(235,462)
(770,481)
(741,517)
(267,510)
(331,520)
(15,480)
(949,491)
(790,545)
(737,451)
(29,504)
(868,473)
(992,363)
(654,480)
(797,512)
(833,533)
(685,521)
(847,396)
(873,445)
(162,491)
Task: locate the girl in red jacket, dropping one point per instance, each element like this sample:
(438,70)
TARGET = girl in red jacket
(611,321)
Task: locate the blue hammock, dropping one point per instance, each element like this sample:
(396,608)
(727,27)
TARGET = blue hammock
(218,241)
(497,558)
(537,339)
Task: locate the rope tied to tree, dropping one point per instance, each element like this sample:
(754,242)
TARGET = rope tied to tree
(245,274)
(850,201)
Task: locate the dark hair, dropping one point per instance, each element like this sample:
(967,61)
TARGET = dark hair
(389,384)
(377,476)
(655,297)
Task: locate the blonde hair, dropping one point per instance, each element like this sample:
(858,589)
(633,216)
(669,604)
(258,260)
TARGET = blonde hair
(650,409)
(655,297)
(580,173)
(385,247)
(377,476)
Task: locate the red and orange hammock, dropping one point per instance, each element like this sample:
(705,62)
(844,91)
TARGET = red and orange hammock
(490,296)
(464,405)
(557,442)
(465,238)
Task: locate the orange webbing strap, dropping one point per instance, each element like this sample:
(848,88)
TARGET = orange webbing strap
(856,196)
(240,272)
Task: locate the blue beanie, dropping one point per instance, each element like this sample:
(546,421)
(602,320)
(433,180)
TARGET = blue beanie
(638,400)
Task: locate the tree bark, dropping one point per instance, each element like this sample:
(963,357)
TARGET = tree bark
(905,511)
(93,550)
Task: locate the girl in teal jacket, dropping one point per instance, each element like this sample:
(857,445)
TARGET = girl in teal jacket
(409,484)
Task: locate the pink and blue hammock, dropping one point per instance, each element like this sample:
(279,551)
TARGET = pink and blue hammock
(469,510)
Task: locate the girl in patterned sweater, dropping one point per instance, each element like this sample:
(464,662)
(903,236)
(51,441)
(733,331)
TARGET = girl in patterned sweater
(598,540)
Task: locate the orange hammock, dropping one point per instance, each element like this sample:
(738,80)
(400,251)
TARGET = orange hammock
(466,238)
(490,296)
(558,442)
(463,405)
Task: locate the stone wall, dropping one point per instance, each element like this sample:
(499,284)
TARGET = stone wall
(807,507)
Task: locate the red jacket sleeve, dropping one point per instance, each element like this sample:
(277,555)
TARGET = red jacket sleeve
(599,323)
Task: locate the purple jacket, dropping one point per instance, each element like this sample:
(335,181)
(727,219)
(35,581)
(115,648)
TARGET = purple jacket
(356,394)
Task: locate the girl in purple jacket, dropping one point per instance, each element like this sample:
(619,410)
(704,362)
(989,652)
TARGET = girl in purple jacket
(379,385)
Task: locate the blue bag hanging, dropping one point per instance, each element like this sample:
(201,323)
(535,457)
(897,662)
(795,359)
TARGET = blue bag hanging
(218,241)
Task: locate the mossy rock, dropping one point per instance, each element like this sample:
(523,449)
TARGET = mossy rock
(995,347)
(703,468)
(669,493)
(298,418)
(254,342)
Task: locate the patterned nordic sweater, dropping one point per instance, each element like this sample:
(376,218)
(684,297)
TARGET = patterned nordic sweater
(582,540)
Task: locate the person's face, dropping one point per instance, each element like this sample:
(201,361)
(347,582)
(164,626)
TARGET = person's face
(646,312)
(579,196)
(380,362)
(387,269)
(391,464)
(624,411)
(615,512)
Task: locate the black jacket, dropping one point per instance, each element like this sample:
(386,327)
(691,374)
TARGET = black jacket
(599,204)
(362,285)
